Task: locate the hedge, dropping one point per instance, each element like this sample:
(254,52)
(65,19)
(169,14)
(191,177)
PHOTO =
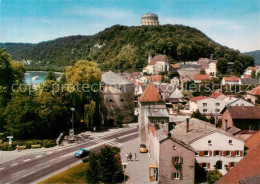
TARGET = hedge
(45,143)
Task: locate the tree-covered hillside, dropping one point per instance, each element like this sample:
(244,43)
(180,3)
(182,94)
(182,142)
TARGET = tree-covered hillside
(122,48)
(256,55)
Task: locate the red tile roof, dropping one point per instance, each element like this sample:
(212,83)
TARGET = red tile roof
(233,78)
(246,76)
(176,66)
(255,91)
(252,141)
(158,58)
(157,78)
(244,112)
(252,68)
(135,73)
(215,94)
(202,77)
(150,94)
(198,98)
(247,167)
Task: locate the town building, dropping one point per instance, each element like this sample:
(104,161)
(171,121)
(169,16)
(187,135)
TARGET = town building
(187,74)
(149,19)
(201,77)
(174,160)
(246,118)
(249,81)
(157,64)
(252,141)
(118,98)
(209,65)
(253,94)
(175,81)
(214,146)
(217,95)
(246,171)
(206,105)
(238,102)
(250,70)
(230,80)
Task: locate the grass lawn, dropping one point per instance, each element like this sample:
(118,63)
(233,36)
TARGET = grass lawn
(75,174)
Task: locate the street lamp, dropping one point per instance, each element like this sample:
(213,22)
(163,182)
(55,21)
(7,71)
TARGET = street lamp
(72,120)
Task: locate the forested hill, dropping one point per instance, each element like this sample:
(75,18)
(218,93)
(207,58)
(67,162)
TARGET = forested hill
(256,55)
(121,47)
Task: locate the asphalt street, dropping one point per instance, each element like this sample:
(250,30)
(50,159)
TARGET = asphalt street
(31,168)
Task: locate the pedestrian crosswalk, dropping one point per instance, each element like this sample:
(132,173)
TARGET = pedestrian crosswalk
(110,142)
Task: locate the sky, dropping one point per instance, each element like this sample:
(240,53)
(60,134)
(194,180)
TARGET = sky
(233,23)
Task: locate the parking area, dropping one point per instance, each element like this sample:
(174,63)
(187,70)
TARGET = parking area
(137,171)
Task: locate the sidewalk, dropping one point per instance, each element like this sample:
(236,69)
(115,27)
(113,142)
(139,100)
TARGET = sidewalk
(137,171)
(6,156)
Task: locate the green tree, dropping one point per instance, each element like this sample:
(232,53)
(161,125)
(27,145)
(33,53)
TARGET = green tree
(93,168)
(258,75)
(203,72)
(257,101)
(253,74)
(237,67)
(213,176)
(212,120)
(51,76)
(196,114)
(222,65)
(89,113)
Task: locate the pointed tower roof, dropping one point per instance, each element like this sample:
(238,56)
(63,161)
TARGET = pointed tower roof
(150,94)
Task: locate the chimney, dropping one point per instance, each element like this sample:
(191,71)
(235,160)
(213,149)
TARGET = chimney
(187,125)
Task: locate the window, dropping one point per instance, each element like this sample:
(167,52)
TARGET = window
(251,127)
(122,100)
(209,141)
(217,153)
(204,110)
(155,121)
(237,153)
(230,142)
(110,100)
(174,147)
(206,153)
(227,153)
(217,110)
(177,160)
(232,164)
(204,165)
(217,104)
(175,176)
(204,104)
(162,121)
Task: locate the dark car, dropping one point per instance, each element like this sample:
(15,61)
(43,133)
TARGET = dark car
(82,153)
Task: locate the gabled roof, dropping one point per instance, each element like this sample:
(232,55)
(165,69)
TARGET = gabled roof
(202,77)
(157,78)
(255,91)
(215,94)
(245,168)
(230,79)
(150,94)
(249,81)
(244,112)
(113,79)
(246,76)
(252,141)
(158,58)
(198,98)
(176,66)
(197,130)
(252,68)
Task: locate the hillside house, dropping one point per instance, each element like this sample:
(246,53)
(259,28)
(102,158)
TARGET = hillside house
(253,94)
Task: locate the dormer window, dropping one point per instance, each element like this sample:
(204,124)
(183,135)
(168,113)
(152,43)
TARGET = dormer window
(230,142)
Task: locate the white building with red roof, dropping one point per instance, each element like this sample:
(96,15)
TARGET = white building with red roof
(253,94)
(206,105)
(250,69)
(157,64)
(233,80)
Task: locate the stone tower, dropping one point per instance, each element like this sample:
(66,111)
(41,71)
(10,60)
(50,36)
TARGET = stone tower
(149,19)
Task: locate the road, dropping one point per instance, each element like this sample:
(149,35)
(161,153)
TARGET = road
(31,168)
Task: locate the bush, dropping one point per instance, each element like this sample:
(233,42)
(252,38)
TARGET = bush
(48,143)
(6,147)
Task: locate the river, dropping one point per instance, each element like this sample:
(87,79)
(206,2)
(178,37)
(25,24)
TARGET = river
(36,77)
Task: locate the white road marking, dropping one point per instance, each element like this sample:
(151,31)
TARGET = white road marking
(18,172)
(38,156)
(14,164)
(27,160)
(49,153)
(1,168)
(66,155)
(27,174)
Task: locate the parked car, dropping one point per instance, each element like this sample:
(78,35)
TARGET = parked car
(82,153)
(143,148)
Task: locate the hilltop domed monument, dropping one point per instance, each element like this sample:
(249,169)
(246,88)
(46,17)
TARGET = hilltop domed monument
(149,19)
